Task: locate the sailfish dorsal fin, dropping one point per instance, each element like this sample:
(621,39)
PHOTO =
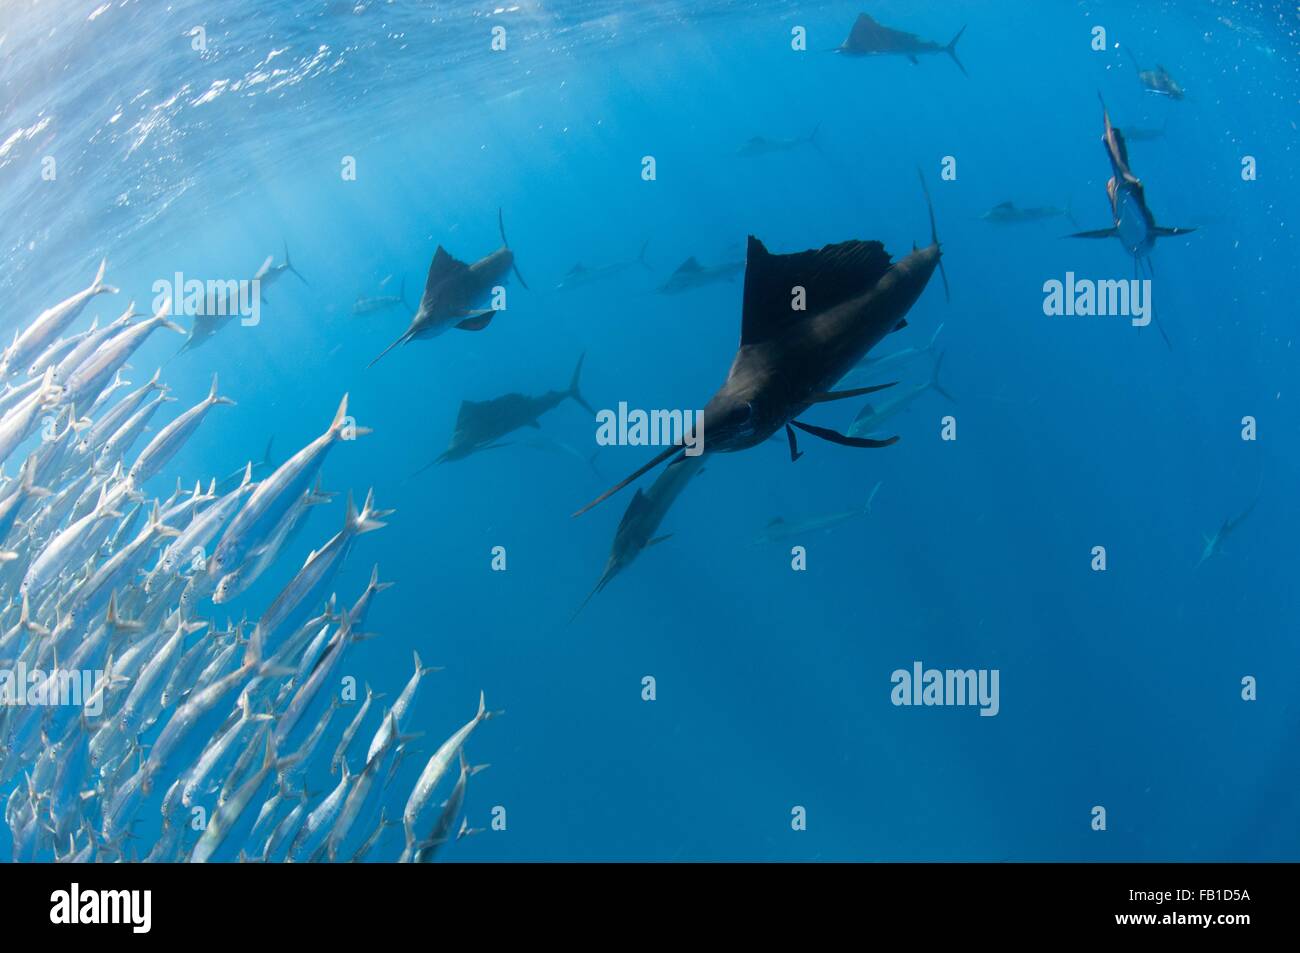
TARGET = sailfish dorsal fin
(472,413)
(864,31)
(633,509)
(443,266)
(1121,147)
(829,275)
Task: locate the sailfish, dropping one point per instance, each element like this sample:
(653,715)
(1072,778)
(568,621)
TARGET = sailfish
(789,360)
(1134,226)
(452,290)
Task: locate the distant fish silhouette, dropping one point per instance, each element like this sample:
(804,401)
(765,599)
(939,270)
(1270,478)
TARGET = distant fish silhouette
(453,288)
(482,423)
(1134,226)
(690,275)
(1156,80)
(869,38)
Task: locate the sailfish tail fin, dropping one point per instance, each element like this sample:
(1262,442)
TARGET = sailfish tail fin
(574,392)
(813,139)
(1155,318)
(934,378)
(934,231)
(951,50)
(289,266)
(501,224)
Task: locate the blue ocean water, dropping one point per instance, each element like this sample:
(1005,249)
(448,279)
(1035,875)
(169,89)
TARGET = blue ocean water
(1120,689)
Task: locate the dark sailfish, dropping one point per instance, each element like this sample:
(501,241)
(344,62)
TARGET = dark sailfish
(789,359)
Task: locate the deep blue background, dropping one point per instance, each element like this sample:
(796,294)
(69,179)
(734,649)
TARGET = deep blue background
(1119,689)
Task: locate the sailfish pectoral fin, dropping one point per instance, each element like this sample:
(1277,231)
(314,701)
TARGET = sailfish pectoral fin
(658,459)
(476,321)
(842,394)
(835,436)
(795,453)
(1095,233)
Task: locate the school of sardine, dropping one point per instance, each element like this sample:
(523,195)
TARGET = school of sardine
(134,726)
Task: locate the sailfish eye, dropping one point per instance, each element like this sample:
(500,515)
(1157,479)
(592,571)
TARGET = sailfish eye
(741,414)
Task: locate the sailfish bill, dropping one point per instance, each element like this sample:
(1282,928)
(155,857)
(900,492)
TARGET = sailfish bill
(640,523)
(855,392)
(658,459)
